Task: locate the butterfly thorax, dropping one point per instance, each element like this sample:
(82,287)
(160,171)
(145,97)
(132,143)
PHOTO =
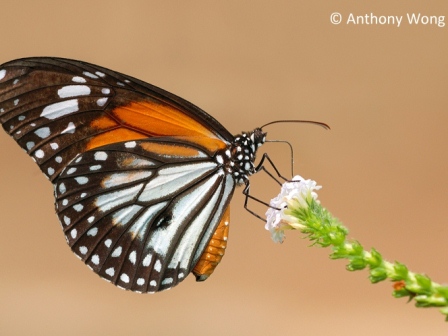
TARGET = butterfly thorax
(241,154)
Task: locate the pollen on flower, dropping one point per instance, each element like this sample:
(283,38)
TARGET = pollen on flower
(295,193)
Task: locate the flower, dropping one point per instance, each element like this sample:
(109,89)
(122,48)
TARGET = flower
(295,193)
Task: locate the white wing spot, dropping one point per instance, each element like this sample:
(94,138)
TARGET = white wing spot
(158,266)
(58,110)
(120,83)
(225,238)
(30,145)
(58,159)
(124,277)
(117,252)
(110,271)
(153,283)
(91,219)
(43,132)
(91,75)
(64,202)
(73,91)
(102,101)
(100,74)
(21,118)
(92,232)
(130,144)
(167,281)
(180,276)
(78,207)
(71,170)
(74,233)
(95,259)
(2,74)
(81,179)
(96,167)
(50,171)
(83,195)
(105,91)
(78,159)
(15,81)
(133,257)
(83,249)
(39,153)
(140,281)
(147,260)
(219,159)
(54,145)
(108,242)
(67,220)
(78,79)
(100,156)
(16,102)
(70,129)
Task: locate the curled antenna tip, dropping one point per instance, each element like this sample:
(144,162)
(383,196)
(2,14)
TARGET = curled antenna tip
(298,121)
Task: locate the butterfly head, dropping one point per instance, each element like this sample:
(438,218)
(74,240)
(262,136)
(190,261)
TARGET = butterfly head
(242,154)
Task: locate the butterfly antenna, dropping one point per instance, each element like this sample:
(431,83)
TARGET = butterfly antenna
(286,142)
(324,125)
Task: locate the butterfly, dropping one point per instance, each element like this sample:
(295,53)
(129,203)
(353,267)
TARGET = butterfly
(142,178)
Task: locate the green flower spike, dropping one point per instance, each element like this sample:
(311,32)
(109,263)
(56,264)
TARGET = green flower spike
(297,208)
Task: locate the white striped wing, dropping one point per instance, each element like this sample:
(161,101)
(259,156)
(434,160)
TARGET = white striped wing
(140,213)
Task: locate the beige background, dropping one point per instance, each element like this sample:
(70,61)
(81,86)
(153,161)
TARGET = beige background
(384,164)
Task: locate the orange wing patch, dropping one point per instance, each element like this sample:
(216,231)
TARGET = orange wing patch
(214,251)
(159,120)
(112,136)
(140,120)
(170,150)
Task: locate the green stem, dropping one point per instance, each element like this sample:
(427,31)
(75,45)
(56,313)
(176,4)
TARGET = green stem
(324,230)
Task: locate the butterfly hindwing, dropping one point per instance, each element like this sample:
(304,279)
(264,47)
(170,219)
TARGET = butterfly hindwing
(57,109)
(140,213)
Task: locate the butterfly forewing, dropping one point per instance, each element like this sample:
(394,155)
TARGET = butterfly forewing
(140,213)
(57,108)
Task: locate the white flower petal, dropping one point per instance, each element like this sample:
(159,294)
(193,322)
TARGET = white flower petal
(300,191)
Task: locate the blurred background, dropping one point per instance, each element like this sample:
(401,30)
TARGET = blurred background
(383,165)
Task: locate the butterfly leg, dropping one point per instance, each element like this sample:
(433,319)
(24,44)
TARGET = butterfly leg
(246,191)
(261,166)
